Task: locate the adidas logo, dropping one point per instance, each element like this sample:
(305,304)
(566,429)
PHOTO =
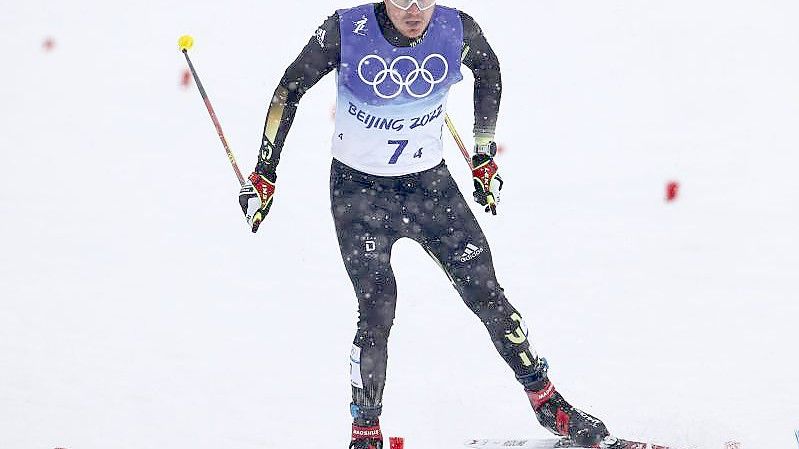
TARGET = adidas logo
(471,252)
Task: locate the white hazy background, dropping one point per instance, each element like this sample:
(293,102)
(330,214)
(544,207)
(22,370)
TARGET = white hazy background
(138,312)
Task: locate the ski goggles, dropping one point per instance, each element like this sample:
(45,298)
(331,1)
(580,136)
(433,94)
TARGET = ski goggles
(406,4)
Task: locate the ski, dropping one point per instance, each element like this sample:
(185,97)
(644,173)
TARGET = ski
(554,444)
(520,444)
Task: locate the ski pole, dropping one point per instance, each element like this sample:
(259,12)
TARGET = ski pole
(185,43)
(458,140)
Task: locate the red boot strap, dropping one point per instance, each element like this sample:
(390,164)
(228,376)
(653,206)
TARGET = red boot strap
(360,433)
(539,397)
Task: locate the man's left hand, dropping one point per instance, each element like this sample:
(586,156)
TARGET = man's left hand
(487,182)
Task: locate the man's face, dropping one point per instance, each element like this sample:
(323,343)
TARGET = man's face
(410,23)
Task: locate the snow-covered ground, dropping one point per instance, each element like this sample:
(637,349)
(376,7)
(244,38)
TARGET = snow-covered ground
(137,310)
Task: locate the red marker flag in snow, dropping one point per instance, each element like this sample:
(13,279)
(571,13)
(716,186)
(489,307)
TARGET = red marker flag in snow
(672,190)
(48,44)
(185,79)
(396,442)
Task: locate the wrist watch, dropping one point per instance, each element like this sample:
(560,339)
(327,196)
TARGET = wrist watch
(489,149)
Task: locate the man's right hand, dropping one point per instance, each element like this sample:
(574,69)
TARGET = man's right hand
(255,199)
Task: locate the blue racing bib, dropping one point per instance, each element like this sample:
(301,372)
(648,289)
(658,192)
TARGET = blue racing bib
(391,100)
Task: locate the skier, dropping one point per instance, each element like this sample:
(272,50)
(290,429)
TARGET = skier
(396,61)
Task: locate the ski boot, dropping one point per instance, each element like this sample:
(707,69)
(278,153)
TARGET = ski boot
(560,418)
(557,415)
(366,436)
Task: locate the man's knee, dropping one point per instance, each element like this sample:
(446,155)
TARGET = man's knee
(372,336)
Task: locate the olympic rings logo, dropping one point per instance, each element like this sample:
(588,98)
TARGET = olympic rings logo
(406,82)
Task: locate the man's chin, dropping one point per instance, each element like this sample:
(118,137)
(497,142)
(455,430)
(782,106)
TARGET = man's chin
(413,33)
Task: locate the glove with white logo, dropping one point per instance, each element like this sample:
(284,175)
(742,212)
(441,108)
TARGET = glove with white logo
(487,183)
(255,199)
